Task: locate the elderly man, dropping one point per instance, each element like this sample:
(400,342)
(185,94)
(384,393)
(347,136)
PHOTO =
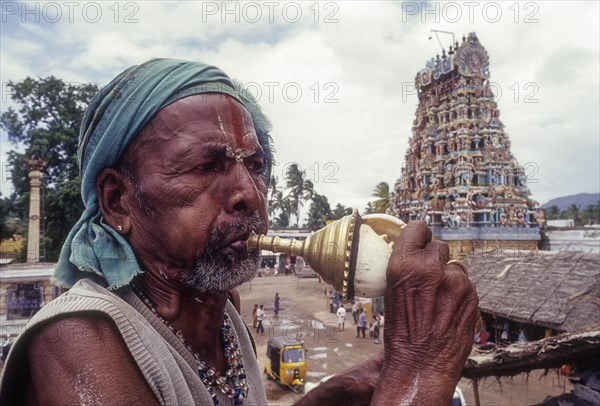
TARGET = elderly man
(174,162)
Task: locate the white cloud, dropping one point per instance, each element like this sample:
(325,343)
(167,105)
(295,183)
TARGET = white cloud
(364,61)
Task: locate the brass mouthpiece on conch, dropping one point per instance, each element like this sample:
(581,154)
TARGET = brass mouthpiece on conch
(351,254)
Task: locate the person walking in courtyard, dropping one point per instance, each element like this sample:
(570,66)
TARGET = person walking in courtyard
(355,311)
(276,304)
(254,317)
(362,323)
(260,316)
(376,330)
(341,313)
(331,301)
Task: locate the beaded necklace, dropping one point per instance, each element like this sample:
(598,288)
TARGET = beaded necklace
(233,384)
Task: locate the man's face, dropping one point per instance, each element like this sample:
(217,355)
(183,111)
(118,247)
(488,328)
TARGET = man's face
(199,193)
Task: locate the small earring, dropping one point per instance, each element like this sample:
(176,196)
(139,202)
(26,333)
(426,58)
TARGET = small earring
(120,227)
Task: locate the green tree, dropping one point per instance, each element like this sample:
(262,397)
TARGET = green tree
(340,211)
(300,189)
(283,219)
(4,207)
(46,124)
(384,197)
(552,213)
(279,206)
(369,209)
(282,209)
(591,214)
(6,229)
(318,212)
(274,196)
(10,223)
(572,212)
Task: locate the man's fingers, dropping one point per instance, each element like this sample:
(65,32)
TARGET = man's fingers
(436,253)
(414,237)
(457,265)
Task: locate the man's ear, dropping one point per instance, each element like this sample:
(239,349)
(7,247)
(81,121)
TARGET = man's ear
(113,189)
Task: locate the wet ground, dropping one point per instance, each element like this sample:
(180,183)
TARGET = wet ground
(304,313)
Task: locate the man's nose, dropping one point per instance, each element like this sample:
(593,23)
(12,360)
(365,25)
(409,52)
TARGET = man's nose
(244,196)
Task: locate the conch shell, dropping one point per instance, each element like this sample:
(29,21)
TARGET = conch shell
(351,253)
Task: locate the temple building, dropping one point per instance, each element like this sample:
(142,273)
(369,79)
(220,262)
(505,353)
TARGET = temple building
(459,175)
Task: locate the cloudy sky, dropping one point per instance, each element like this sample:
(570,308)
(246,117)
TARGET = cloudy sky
(336,78)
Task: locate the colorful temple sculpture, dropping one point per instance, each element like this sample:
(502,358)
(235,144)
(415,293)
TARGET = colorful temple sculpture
(459,175)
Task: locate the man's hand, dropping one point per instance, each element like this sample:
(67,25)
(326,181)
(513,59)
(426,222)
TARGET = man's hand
(353,387)
(431,310)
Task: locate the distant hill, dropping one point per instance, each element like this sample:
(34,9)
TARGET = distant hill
(581,199)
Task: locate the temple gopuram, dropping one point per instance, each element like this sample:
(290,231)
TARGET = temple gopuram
(459,175)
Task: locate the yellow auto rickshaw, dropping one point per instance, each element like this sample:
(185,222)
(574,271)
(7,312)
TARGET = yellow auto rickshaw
(286,362)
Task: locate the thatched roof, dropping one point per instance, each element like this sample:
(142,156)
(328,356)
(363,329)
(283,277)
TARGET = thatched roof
(559,290)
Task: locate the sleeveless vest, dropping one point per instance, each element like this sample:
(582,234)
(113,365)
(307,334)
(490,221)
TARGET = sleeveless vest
(168,367)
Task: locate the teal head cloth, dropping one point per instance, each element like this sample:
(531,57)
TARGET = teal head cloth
(114,117)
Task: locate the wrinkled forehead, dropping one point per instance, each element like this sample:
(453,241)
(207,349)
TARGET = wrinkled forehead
(205,118)
(207,112)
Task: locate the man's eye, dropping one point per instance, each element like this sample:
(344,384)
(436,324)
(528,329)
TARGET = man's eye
(208,167)
(255,166)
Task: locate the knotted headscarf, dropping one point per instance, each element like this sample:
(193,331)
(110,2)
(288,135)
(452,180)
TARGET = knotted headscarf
(93,249)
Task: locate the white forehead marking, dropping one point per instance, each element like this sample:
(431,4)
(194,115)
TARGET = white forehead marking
(220,123)
(238,154)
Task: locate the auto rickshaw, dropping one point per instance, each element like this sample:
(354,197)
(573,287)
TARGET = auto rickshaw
(286,362)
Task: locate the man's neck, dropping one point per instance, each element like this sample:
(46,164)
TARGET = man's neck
(199,316)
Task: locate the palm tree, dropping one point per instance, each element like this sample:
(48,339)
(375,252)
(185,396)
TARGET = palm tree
(281,210)
(299,189)
(283,219)
(573,212)
(591,214)
(340,211)
(552,212)
(384,197)
(274,196)
(318,212)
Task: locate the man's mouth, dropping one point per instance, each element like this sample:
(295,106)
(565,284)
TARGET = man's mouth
(229,240)
(236,246)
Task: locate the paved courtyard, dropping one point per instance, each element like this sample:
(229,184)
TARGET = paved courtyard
(304,313)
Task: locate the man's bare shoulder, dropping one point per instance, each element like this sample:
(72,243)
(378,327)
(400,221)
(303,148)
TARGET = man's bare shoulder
(83,359)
